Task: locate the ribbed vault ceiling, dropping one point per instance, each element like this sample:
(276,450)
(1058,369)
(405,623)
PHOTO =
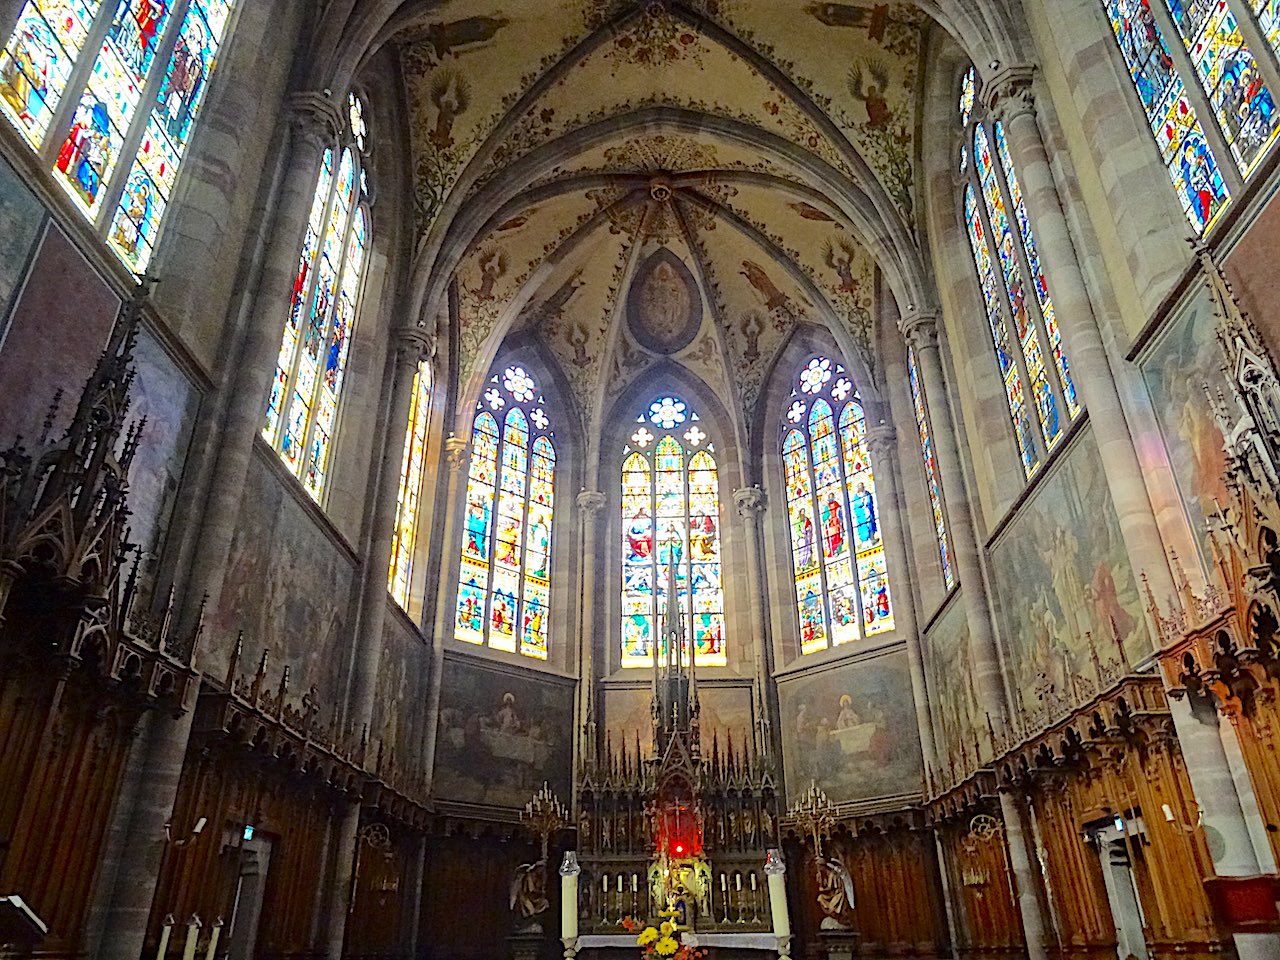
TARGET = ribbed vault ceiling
(766,145)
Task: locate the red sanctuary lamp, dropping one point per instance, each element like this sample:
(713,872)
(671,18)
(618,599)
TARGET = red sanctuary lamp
(679,830)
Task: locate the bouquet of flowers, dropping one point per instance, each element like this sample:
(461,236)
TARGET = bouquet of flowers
(663,940)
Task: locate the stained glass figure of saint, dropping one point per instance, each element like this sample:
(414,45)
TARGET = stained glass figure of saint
(841,588)
(504,580)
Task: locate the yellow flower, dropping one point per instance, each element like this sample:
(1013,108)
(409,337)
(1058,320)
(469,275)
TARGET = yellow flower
(668,927)
(647,936)
(667,946)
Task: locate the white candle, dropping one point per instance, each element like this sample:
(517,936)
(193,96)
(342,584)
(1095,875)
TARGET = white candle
(193,938)
(775,870)
(724,883)
(213,939)
(753,882)
(737,881)
(569,870)
(165,933)
(619,883)
(635,883)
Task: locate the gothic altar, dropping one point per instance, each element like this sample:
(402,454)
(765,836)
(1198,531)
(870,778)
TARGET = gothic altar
(676,824)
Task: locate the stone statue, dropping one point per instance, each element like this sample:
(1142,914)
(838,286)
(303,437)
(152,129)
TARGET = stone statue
(835,894)
(529,895)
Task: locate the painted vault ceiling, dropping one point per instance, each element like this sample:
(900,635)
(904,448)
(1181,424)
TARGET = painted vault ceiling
(586,156)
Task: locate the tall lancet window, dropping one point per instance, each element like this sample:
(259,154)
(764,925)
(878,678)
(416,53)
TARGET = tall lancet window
(404,540)
(1202,90)
(930,470)
(671,517)
(837,552)
(108,93)
(1020,314)
(302,411)
(504,585)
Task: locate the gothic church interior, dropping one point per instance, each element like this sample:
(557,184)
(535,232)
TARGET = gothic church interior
(609,478)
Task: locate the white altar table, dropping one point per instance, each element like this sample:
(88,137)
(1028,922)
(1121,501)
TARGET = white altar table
(764,942)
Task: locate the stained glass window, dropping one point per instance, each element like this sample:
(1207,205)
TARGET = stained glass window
(121,137)
(302,408)
(1214,57)
(504,584)
(1238,95)
(930,470)
(1015,291)
(671,518)
(408,502)
(837,551)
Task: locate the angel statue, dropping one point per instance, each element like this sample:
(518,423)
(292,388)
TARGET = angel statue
(529,895)
(835,894)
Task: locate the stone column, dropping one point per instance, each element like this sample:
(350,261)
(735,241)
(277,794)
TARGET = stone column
(882,444)
(125,905)
(412,345)
(590,503)
(10,10)
(346,839)
(314,121)
(921,332)
(751,503)
(415,892)
(455,450)
(1011,98)
(1026,876)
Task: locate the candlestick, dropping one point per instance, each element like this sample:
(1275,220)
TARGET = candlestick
(165,933)
(775,869)
(212,953)
(569,871)
(193,938)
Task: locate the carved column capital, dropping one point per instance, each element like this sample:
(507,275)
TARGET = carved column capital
(413,345)
(313,117)
(751,503)
(591,502)
(455,449)
(882,441)
(920,329)
(1010,93)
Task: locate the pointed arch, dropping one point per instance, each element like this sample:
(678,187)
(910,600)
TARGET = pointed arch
(841,584)
(504,581)
(671,521)
(306,392)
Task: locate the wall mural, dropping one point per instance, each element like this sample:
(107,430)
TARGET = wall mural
(726,712)
(1183,362)
(288,586)
(501,735)
(169,401)
(21,219)
(53,340)
(953,689)
(1062,576)
(852,729)
(399,719)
